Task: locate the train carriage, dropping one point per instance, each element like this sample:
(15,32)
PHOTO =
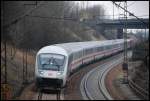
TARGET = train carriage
(55,63)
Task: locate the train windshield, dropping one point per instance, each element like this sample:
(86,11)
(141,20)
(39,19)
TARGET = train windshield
(51,62)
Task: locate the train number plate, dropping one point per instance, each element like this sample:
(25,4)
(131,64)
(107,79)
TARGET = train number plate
(50,74)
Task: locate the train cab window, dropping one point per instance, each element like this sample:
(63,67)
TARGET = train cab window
(49,61)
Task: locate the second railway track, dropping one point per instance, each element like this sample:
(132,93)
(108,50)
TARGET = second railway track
(47,94)
(92,86)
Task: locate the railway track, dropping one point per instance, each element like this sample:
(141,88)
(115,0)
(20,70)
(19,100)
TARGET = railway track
(50,94)
(140,91)
(92,85)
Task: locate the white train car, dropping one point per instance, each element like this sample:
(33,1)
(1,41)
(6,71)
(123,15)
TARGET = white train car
(55,63)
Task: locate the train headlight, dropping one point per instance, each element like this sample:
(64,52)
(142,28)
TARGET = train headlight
(41,72)
(60,73)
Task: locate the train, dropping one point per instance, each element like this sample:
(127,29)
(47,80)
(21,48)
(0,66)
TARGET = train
(56,63)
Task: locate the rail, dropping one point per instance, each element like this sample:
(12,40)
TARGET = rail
(140,91)
(42,94)
(103,70)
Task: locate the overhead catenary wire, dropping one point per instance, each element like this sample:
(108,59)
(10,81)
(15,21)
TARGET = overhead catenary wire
(22,16)
(131,14)
(26,14)
(66,18)
(52,17)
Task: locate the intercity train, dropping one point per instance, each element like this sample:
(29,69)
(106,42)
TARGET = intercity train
(55,63)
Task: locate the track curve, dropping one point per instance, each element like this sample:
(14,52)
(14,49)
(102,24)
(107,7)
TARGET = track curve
(92,85)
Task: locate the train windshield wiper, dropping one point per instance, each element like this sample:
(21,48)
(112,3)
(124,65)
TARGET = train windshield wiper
(56,64)
(51,61)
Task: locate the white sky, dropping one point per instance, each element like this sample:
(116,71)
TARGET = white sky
(138,8)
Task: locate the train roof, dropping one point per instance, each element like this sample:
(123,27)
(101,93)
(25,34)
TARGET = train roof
(76,46)
(53,49)
(68,48)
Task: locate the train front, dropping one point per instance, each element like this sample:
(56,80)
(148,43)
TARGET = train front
(50,69)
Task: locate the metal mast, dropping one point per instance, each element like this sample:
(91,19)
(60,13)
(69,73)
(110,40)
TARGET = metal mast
(125,64)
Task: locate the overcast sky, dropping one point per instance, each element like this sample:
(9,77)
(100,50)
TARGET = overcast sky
(138,8)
